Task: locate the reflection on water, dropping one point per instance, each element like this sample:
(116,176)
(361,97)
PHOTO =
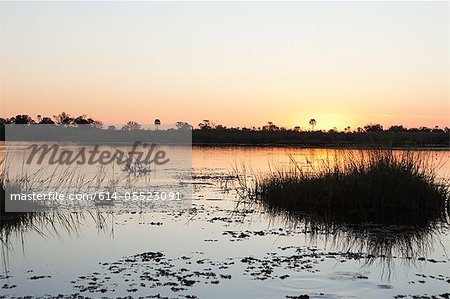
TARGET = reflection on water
(376,243)
(82,186)
(215,250)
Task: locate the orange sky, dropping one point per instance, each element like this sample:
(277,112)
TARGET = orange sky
(240,64)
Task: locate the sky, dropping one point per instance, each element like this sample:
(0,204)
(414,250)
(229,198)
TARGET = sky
(234,63)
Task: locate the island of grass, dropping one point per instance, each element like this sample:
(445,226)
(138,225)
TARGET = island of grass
(377,186)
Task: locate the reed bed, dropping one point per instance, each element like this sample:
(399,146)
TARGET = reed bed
(46,220)
(376,186)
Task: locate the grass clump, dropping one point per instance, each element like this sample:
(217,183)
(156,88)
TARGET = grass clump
(379,186)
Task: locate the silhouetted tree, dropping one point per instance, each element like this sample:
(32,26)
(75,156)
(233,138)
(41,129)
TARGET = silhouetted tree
(397,128)
(333,130)
(131,126)
(437,129)
(220,127)
(205,125)
(270,127)
(46,121)
(63,118)
(424,129)
(82,120)
(157,123)
(181,125)
(312,123)
(373,128)
(4,121)
(22,119)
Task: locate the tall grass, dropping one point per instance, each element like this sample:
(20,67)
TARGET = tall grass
(378,186)
(44,221)
(382,203)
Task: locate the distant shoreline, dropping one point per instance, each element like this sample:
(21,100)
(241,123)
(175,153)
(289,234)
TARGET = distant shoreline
(318,139)
(325,146)
(230,137)
(275,145)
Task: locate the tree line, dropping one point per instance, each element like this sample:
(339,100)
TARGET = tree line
(66,119)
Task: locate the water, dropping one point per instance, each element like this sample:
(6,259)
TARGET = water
(212,250)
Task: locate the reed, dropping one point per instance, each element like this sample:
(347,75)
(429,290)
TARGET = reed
(41,219)
(376,186)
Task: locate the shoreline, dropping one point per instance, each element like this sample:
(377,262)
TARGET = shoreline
(326,146)
(431,147)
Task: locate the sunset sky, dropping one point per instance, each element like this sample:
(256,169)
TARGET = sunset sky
(239,64)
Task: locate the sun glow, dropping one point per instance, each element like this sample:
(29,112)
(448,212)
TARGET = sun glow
(176,62)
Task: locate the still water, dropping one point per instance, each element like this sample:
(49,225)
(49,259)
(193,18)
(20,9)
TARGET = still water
(214,248)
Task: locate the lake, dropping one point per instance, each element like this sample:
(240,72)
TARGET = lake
(217,246)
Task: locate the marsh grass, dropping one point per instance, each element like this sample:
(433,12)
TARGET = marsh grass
(46,223)
(45,220)
(375,205)
(377,186)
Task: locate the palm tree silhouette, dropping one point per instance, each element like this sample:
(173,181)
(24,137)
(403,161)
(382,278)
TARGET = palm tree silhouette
(312,123)
(157,123)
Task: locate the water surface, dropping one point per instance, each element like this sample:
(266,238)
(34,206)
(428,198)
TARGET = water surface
(214,250)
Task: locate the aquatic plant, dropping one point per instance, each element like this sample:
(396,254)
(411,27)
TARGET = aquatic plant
(44,220)
(376,186)
(381,204)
